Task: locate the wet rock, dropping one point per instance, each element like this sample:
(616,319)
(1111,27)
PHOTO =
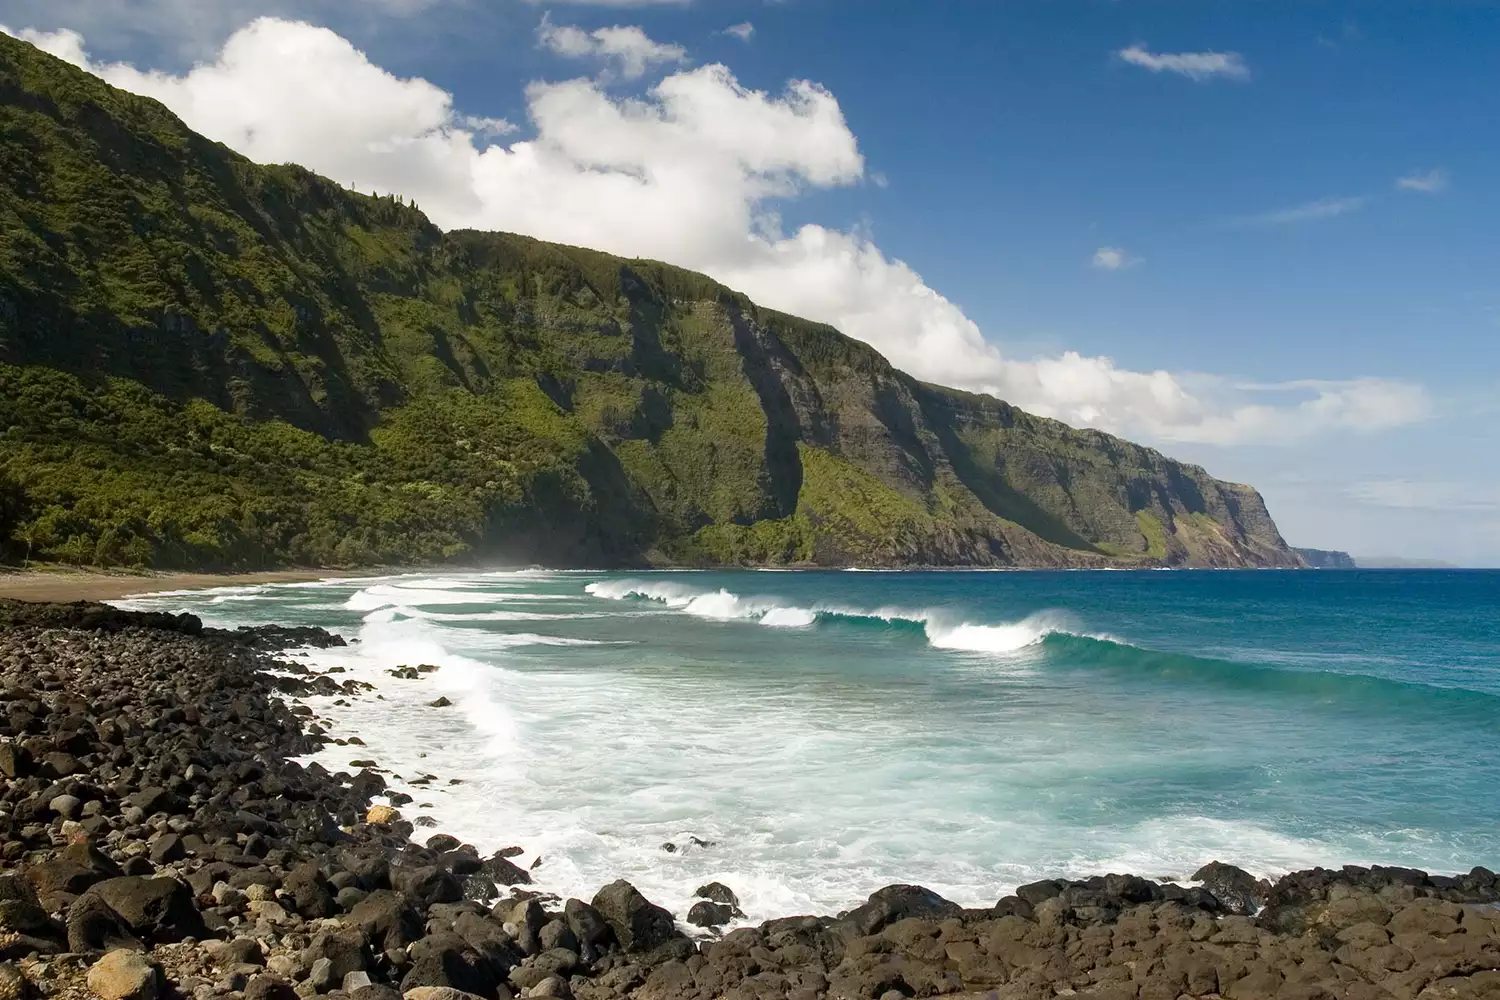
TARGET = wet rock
(1237,890)
(718,892)
(123,975)
(503,871)
(637,923)
(706,913)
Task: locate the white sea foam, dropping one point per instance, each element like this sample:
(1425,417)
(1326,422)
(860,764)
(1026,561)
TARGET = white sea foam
(724,605)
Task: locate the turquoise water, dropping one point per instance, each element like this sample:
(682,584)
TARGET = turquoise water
(834,732)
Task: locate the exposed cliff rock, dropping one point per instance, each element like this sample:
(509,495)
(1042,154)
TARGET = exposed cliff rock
(1325,559)
(205,362)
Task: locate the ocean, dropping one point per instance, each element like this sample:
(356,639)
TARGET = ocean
(807,737)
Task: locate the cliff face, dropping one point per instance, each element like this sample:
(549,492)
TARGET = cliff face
(1325,559)
(208,362)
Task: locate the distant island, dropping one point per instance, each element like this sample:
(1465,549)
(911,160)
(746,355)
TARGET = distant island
(1326,558)
(207,364)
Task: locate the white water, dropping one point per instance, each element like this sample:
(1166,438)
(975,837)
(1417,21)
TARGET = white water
(595,719)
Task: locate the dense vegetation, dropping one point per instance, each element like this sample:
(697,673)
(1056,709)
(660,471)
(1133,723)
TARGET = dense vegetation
(209,363)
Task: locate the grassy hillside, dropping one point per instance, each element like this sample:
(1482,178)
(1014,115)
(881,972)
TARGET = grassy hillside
(206,363)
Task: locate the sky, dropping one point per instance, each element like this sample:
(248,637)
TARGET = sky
(1258,235)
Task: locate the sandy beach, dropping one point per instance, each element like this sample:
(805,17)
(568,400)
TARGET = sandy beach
(78,585)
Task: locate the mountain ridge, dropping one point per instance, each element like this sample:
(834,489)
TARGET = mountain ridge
(205,362)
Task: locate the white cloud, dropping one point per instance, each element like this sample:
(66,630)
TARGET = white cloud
(1113,259)
(744,31)
(617,3)
(1193,65)
(688,173)
(1312,211)
(630,49)
(1430,182)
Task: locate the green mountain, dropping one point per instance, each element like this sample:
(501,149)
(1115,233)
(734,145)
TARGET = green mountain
(205,362)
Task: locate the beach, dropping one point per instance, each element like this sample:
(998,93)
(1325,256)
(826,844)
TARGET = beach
(162,838)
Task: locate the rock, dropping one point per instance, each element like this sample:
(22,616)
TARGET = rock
(345,951)
(13,983)
(436,993)
(638,924)
(123,975)
(706,913)
(427,885)
(66,806)
(448,960)
(501,870)
(153,800)
(718,892)
(387,919)
(20,909)
(898,902)
(269,987)
(321,975)
(93,926)
(587,924)
(309,892)
(441,702)
(166,849)
(15,761)
(156,909)
(377,991)
(382,815)
(1236,890)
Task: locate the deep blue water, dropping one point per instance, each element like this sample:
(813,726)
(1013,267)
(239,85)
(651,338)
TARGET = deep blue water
(835,731)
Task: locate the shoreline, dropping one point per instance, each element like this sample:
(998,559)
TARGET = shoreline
(188,844)
(67,585)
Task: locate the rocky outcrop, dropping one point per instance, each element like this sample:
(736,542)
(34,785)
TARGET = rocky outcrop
(1325,559)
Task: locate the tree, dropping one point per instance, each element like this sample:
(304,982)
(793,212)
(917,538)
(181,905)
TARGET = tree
(14,510)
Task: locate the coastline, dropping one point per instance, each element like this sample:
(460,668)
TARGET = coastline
(65,585)
(243,873)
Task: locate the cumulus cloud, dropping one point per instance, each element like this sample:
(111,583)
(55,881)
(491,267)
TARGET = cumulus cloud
(629,49)
(744,31)
(1113,259)
(1312,211)
(690,172)
(1198,66)
(1430,182)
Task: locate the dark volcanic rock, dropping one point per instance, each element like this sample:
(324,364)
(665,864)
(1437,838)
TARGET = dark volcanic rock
(898,902)
(1236,889)
(638,924)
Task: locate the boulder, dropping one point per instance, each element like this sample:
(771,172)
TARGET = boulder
(93,927)
(718,892)
(345,951)
(123,975)
(706,913)
(155,909)
(638,924)
(1237,891)
(387,919)
(500,870)
(448,960)
(898,902)
(427,885)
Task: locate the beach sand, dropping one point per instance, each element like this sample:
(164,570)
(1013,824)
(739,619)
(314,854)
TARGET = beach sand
(75,585)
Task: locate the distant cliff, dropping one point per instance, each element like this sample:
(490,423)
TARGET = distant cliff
(1325,559)
(209,363)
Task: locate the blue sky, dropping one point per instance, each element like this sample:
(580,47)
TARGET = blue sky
(1265,252)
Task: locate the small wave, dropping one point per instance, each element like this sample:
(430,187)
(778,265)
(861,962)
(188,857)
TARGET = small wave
(393,612)
(385,594)
(724,605)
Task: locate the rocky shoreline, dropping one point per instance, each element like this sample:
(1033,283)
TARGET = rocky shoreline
(158,839)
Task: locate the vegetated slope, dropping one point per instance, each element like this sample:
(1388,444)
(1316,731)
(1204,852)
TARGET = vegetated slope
(205,362)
